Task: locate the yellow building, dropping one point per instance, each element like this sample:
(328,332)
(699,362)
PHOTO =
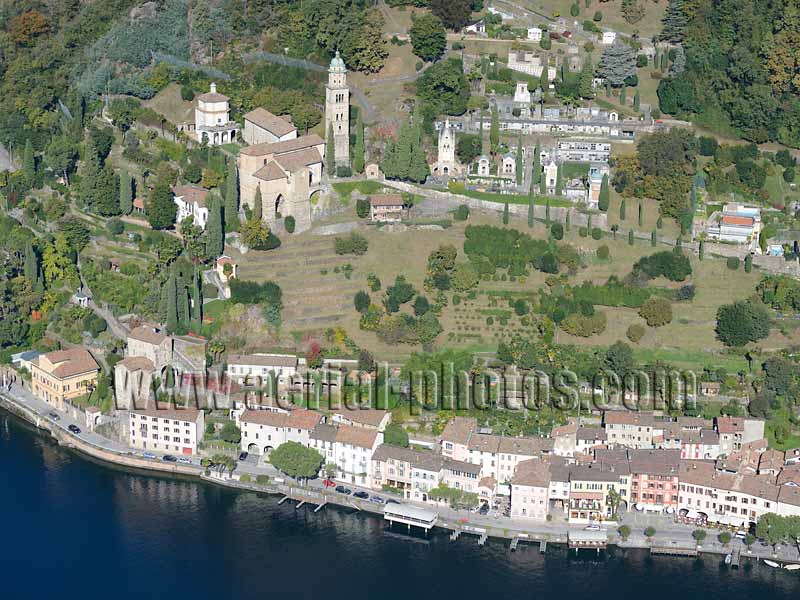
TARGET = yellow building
(63,375)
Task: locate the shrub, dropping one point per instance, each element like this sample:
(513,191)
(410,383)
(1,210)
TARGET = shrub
(656,311)
(418,65)
(187,93)
(461,213)
(362,208)
(624,532)
(699,535)
(545,43)
(262,479)
(597,233)
(650,531)
(603,252)
(732,263)
(674,266)
(458,46)
(355,243)
(583,232)
(245,478)
(289,224)
(789,175)
(635,333)
(115,226)
(725,538)
(641,61)
(598,16)
(557,231)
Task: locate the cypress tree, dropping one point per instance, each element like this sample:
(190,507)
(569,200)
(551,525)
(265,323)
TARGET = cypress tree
(701,254)
(586,90)
(659,223)
(637,99)
(31,266)
(608,89)
(623,96)
(531,203)
(567,220)
(641,214)
(559,182)
(184,314)
(678,244)
(90,175)
(494,130)
(547,212)
(536,173)
(125,192)
(483,144)
(29,163)
(358,146)
(544,82)
(215,236)
(330,152)
(630,237)
(589,224)
(258,205)
(232,198)
(748,263)
(505,214)
(172,303)
(655,59)
(161,208)
(664,57)
(197,304)
(603,200)
(518,167)
(654,238)
(543,185)
(622,210)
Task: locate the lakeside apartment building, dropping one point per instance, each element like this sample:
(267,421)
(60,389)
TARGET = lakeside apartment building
(166,428)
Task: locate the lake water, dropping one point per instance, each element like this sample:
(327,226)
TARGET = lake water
(76,528)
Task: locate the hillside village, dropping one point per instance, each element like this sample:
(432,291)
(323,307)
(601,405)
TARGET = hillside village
(258,237)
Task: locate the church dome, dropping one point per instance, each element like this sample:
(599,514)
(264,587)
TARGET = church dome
(337,64)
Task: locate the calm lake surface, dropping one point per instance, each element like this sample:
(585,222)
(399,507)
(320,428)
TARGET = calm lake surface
(78,529)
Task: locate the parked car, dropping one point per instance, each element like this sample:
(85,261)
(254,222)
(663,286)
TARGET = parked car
(149,456)
(483,509)
(361,495)
(184,460)
(377,500)
(392,501)
(169,458)
(343,490)
(74,429)
(328,483)
(592,527)
(243,456)
(54,416)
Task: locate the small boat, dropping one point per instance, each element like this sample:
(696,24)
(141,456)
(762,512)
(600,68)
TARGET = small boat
(729,558)
(792,567)
(772,563)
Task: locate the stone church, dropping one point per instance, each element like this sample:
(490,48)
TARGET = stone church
(289,171)
(446,164)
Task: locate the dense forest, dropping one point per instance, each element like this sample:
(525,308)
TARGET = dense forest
(742,72)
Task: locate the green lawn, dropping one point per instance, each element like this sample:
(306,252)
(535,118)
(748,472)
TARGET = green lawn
(346,188)
(215,309)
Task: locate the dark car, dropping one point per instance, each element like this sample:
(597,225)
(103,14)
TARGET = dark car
(377,500)
(483,509)
(392,501)
(169,458)
(243,456)
(362,495)
(343,490)
(74,429)
(54,416)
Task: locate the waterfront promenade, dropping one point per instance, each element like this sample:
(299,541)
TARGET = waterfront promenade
(669,533)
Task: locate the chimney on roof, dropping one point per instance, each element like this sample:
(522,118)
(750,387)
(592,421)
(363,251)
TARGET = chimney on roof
(213,88)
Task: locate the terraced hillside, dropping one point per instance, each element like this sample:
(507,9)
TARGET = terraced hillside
(314,295)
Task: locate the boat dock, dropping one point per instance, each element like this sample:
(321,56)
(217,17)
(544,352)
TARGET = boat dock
(410,516)
(672,551)
(737,555)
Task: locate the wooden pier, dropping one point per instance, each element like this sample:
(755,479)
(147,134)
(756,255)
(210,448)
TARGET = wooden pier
(319,508)
(514,542)
(737,555)
(282,500)
(482,539)
(543,546)
(672,551)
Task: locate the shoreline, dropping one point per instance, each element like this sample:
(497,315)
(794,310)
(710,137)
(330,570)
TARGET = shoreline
(131,463)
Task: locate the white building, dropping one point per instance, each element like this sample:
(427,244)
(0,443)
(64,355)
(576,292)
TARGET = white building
(584,151)
(166,428)
(251,368)
(534,34)
(262,127)
(350,449)
(609,37)
(736,223)
(191,202)
(446,163)
(212,119)
(265,430)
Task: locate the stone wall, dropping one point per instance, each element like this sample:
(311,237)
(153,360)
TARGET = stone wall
(449,201)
